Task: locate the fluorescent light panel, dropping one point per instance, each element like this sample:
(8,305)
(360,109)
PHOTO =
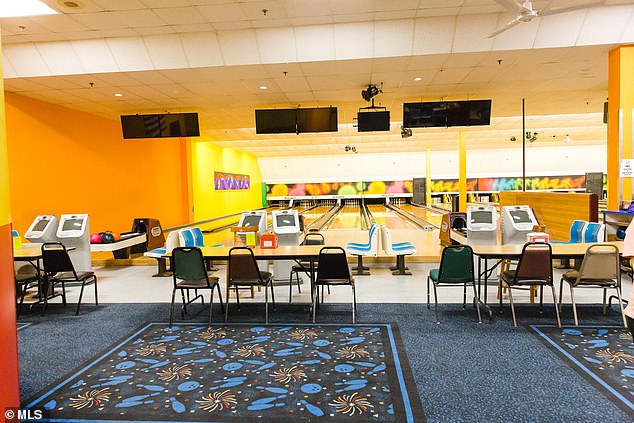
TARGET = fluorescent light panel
(18,8)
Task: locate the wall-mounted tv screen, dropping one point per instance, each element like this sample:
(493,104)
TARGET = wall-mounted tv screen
(373,121)
(447,113)
(276,121)
(160,125)
(284,121)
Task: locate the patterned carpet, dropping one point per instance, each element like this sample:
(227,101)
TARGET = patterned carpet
(602,355)
(21,326)
(236,372)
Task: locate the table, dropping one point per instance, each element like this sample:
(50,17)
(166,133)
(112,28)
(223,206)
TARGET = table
(505,252)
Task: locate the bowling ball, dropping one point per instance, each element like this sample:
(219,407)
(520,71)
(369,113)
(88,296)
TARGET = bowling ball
(117,236)
(95,239)
(620,233)
(107,238)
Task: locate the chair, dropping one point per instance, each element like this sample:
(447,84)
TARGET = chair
(456,268)
(311,238)
(594,232)
(399,249)
(576,232)
(535,267)
(188,267)
(600,268)
(333,270)
(369,249)
(242,270)
(26,275)
(58,268)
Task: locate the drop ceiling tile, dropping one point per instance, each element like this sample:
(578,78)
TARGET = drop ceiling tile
(100,20)
(275,9)
(350,7)
(465,60)
(433,35)
(521,36)
(155,4)
(166,51)
(395,14)
(222,13)
(111,5)
(357,17)
(300,97)
(315,43)
(114,33)
(26,60)
(308,8)
(277,45)
(202,49)
(354,40)
(311,20)
(130,54)
(8,71)
(604,25)
(232,26)
(180,15)
(142,18)
(322,83)
(628,33)
(471,32)
(60,58)
(550,33)
(435,12)
(393,38)
(292,84)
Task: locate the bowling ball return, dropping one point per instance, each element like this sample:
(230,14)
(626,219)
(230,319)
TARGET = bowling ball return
(121,249)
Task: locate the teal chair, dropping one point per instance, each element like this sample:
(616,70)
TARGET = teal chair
(456,269)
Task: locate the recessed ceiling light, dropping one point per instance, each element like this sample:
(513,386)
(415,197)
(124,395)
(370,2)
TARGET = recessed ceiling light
(118,95)
(71,4)
(264,87)
(14,9)
(418,78)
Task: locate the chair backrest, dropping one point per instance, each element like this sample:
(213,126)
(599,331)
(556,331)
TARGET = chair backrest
(242,265)
(333,264)
(199,240)
(374,240)
(536,262)
(55,258)
(313,238)
(593,232)
(386,240)
(188,264)
(456,264)
(173,241)
(601,262)
(186,238)
(576,230)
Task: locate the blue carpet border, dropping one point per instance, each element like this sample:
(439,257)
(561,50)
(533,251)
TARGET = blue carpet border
(22,325)
(414,411)
(579,367)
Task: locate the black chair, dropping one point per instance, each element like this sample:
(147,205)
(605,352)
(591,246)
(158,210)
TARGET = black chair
(535,267)
(311,238)
(26,276)
(243,271)
(189,272)
(333,270)
(59,269)
(456,269)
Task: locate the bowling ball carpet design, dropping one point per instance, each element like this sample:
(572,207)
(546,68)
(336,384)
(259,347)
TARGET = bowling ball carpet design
(277,373)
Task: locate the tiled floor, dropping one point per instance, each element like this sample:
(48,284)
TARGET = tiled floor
(135,284)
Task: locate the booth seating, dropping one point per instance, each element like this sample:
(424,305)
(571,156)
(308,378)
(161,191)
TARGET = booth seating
(369,249)
(399,249)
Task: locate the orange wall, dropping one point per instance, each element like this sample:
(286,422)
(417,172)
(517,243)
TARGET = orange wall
(66,161)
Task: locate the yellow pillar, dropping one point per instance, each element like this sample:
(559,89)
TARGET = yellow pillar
(462,172)
(620,112)
(428,176)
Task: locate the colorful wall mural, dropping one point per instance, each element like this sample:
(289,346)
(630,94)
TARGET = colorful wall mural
(438,185)
(231,181)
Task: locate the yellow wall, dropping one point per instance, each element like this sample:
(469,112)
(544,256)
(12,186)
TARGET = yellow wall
(66,161)
(206,158)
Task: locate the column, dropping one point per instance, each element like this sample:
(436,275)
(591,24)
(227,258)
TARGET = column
(462,172)
(428,176)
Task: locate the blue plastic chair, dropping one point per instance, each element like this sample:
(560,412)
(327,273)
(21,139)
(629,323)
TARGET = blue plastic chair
(593,232)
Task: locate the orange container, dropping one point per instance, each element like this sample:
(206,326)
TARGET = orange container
(268,240)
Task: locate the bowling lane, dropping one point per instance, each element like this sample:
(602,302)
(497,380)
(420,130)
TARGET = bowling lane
(349,217)
(433,217)
(312,215)
(384,216)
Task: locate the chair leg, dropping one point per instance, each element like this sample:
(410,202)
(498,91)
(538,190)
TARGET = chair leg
(184,306)
(477,301)
(238,297)
(354,305)
(574,305)
(172,307)
(436,303)
(561,292)
(272,295)
(96,297)
(464,297)
(552,287)
(227,302)
(315,297)
(299,284)
(64,293)
(618,295)
(512,308)
(290,286)
(222,305)
(605,292)
(266,305)
(427,292)
(81,294)
(211,306)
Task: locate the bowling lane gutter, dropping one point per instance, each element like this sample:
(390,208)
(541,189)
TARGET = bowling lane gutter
(421,223)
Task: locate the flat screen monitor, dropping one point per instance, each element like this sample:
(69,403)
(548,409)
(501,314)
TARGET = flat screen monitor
(479,113)
(319,119)
(251,220)
(521,216)
(276,121)
(73,224)
(168,125)
(424,115)
(373,121)
(481,217)
(447,113)
(285,220)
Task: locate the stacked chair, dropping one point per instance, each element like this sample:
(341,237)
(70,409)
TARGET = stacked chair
(369,249)
(399,249)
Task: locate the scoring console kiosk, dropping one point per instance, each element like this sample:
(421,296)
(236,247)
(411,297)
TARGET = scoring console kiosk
(74,231)
(254,218)
(286,227)
(43,229)
(517,222)
(482,225)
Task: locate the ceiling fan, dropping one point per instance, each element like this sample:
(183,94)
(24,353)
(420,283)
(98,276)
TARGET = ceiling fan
(526,13)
